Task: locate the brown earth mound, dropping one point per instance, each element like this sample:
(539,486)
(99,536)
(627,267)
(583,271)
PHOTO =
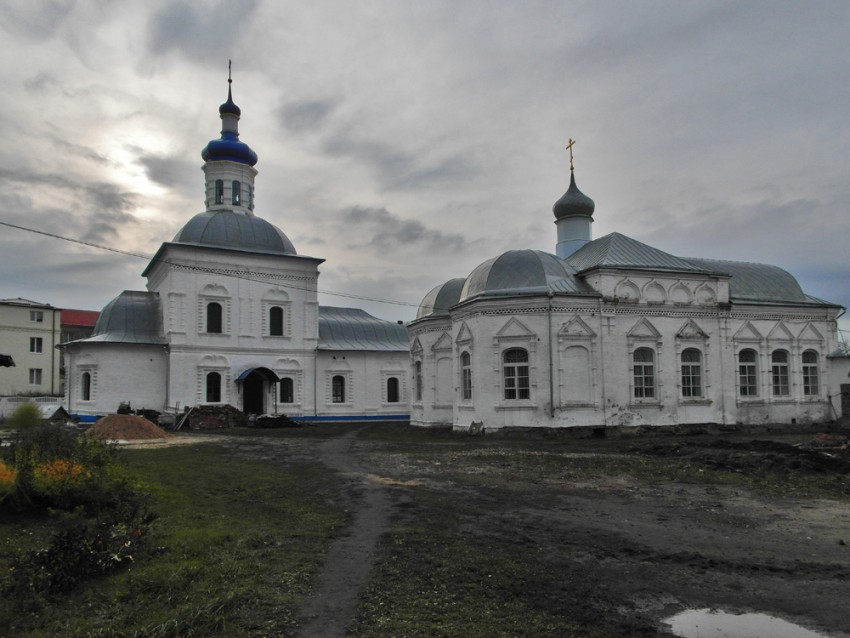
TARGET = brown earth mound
(126,427)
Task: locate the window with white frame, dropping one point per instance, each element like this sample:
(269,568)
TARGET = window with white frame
(35,344)
(287,390)
(691,373)
(213,387)
(643,372)
(466,376)
(276,321)
(393,394)
(417,379)
(811,377)
(214,318)
(338,389)
(85,386)
(37,316)
(515,381)
(779,369)
(748,382)
(35,376)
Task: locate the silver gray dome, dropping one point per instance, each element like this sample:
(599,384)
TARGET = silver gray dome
(440,298)
(229,229)
(132,317)
(523,272)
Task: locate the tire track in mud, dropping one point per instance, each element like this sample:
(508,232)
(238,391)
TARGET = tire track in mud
(332,607)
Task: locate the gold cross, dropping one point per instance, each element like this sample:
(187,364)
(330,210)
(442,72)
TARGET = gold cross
(570,149)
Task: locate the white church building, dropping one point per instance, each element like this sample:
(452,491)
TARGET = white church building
(612,332)
(231,316)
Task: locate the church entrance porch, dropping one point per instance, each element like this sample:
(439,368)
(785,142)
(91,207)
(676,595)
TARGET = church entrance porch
(256,383)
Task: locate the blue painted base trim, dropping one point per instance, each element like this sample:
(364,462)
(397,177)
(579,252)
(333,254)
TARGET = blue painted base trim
(342,418)
(84,418)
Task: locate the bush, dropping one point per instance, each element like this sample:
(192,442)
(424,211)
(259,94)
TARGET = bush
(26,415)
(102,515)
(83,548)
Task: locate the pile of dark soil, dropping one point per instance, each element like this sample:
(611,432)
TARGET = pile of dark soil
(755,456)
(215,417)
(125,427)
(279,421)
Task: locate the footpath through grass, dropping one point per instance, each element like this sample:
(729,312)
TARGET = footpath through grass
(236,546)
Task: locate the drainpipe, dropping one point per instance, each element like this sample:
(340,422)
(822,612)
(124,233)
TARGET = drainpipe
(69,375)
(167,352)
(551,380)
(53,353)
(602,322)
(315,376)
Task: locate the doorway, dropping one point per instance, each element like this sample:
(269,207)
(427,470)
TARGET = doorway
(253,394)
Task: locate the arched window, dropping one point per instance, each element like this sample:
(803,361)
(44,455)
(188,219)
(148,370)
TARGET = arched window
(691,373)
(213,387)
(466,376)
(287,390)
(779,367)
(748,382)
(219,191)
(811,381)
(338,389)
(85,389)
(214,317)
(417,379)
(392,390)
(644,373)
(276,321)
(235,193)
(515,374)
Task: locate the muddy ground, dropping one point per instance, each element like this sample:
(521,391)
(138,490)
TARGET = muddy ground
(620,533)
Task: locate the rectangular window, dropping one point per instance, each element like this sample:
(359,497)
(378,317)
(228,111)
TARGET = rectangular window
(811,382)
(35,344)
(37,316)
(779,359)
(644,373)
(35,376)
(691,373)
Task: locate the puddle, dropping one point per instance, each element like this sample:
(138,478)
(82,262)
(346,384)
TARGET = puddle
(710,623)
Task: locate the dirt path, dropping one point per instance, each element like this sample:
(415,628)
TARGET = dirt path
(346,570)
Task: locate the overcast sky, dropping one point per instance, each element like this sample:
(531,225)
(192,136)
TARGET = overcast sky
(406,142)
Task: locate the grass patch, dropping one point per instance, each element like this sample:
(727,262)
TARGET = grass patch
(236,546)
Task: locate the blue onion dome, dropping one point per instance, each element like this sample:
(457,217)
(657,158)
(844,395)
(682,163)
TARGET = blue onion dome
(573,203)
(229,107)
(228,147)
(440,298)
(234,230)
(523,272)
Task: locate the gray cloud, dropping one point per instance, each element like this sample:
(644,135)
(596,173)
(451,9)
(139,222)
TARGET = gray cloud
(398,169)
(37,19)
(389,232)
(202,32)
(306,115)
(170,171)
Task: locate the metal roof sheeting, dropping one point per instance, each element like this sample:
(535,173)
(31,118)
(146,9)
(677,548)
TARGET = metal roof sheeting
(524,272)
(440,298)
(619,251)
(758,282)
(355,329)
(132,317)
(229,229)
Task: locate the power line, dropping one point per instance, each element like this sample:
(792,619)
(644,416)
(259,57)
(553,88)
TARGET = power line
(247,275)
